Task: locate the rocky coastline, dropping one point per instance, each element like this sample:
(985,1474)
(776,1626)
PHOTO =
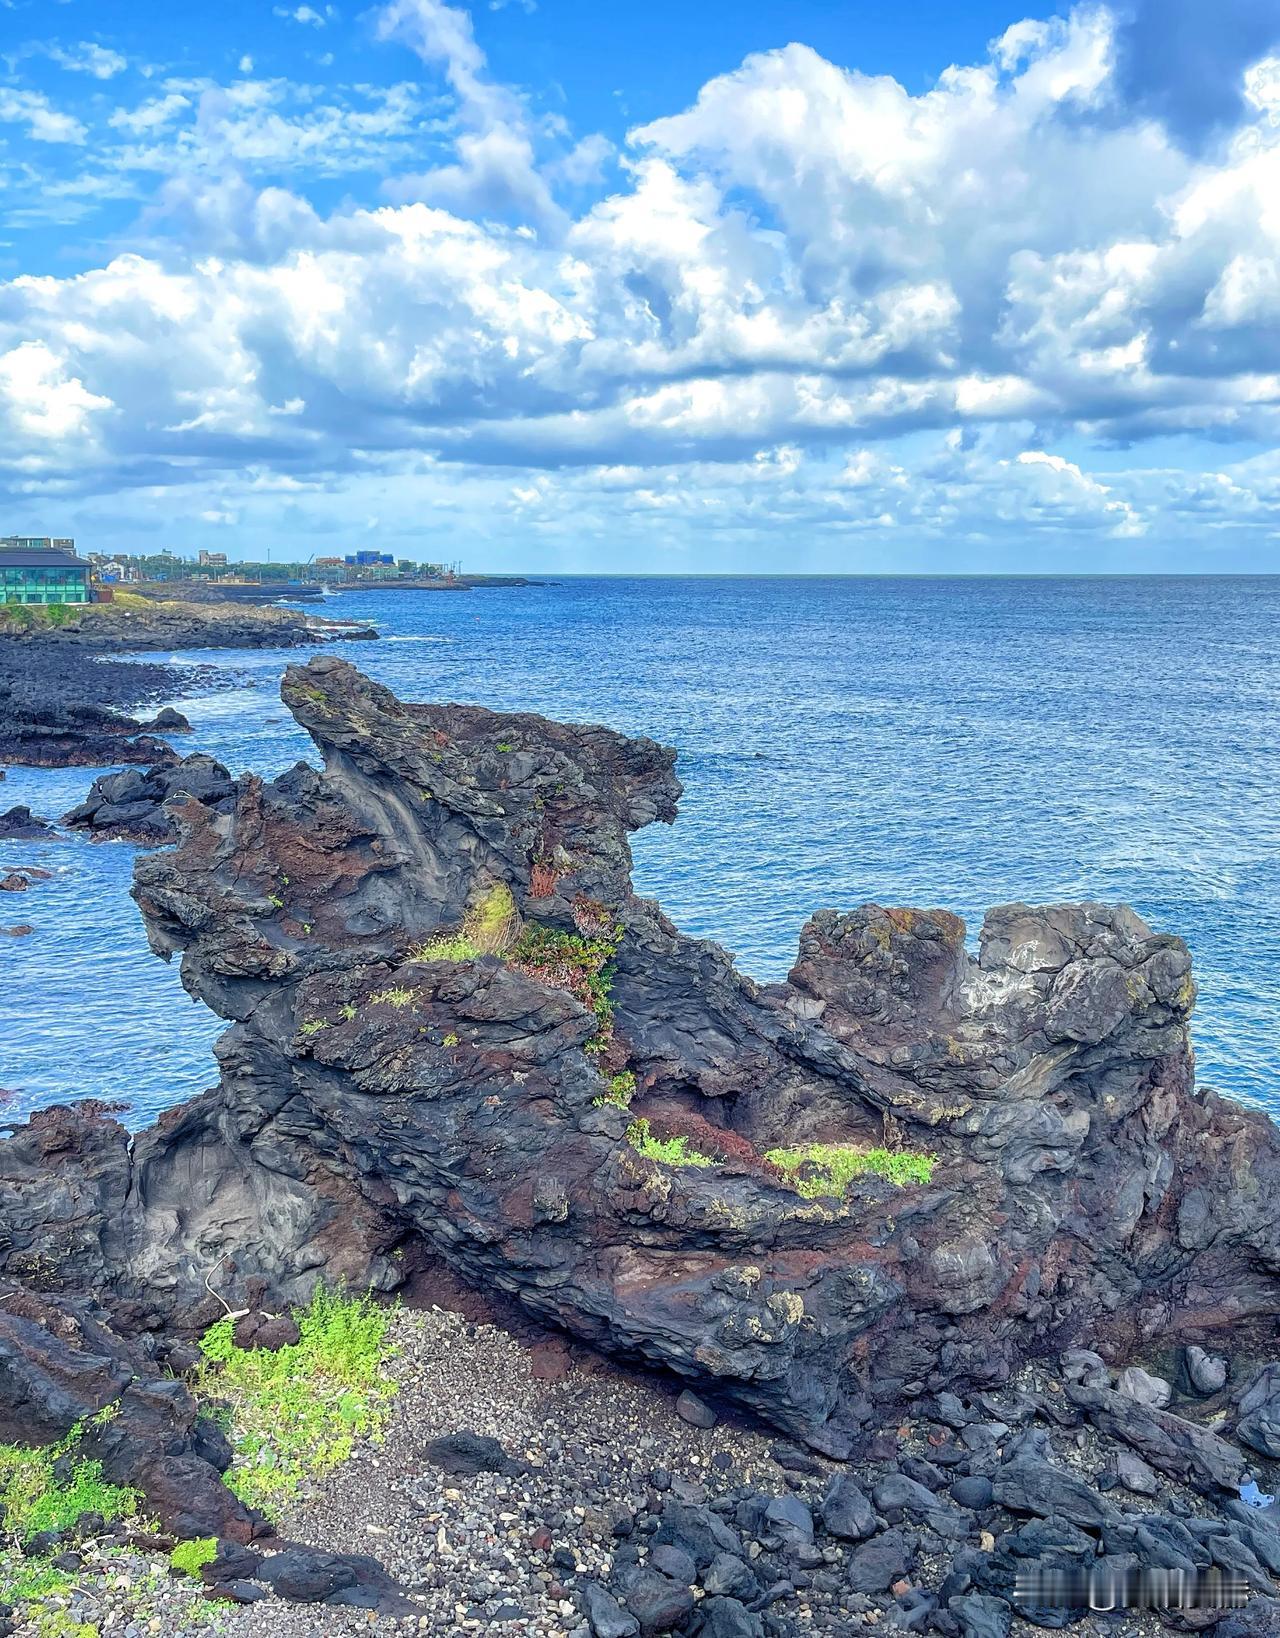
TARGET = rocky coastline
(962,1231)
(65,703)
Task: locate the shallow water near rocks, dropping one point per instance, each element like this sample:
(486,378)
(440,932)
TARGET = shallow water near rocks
(939,742)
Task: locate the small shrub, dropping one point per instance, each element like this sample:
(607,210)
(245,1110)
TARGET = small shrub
(567,961)
(542,879)
(191,1556)
(672,1151)
(818,1169)
(392,998)
(621,1091)
(312,1026)
(294,1414)
(347,1010)
(450,1040)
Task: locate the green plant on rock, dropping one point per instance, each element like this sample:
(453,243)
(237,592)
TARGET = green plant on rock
(821,1169)
(672,1151)
(446,947)
(583,966)
(312,1026)
(294,1414)
(622,1089)
(191,1556)
(492,921)
(392,998)
(49,1488)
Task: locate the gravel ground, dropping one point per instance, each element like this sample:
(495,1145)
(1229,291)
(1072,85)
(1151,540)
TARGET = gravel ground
(492,1554)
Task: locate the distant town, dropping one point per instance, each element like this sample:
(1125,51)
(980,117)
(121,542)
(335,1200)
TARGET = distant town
(47,569)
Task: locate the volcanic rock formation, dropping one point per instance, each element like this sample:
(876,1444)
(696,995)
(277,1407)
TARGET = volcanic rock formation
(411,949)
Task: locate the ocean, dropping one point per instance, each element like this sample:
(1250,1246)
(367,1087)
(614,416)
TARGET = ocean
(937,742)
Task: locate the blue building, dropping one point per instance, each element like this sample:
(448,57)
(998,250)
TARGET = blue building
(37,570)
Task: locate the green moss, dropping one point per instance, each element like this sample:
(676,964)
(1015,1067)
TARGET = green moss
(450,1040)
(819,1169)
(294,1414)
(505,745)
(191,1556)
(672,1151)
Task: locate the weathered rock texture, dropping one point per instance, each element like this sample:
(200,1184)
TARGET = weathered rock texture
(375,1105)
(130,805)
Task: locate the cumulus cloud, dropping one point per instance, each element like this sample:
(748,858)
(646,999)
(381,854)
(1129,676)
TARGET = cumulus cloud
(811,299)
(43,123)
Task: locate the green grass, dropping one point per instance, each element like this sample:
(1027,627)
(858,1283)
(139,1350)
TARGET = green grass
(392,998)
(672,1151)
(295,1414)
(818,1169)
(312,1026)
(34,1498)
(448,947)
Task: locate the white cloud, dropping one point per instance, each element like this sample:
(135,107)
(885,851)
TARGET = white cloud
(88,58)
(811,299)
(43,122)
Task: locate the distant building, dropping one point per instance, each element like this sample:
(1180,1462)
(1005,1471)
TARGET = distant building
(213,560)
(370,560)
(328,563)
(41,574)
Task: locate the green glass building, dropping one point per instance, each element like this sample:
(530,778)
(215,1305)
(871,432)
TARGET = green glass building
(42,575)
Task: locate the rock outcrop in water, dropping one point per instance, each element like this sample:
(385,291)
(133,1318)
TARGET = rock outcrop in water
(379,1102)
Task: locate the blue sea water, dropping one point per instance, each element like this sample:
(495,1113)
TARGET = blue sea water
(937,742)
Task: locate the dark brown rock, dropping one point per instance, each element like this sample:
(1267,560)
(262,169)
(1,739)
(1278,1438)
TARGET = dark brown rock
(380,1108)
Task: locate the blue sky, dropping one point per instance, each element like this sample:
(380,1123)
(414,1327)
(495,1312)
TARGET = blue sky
(558,286)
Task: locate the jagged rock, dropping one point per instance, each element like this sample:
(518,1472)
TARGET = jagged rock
(846,1510)
(1259,1424)
(1170,1443)
(14,882)
(658,1603)
(130,805)
(1134,1474)
(981,1616)
(730,1576)
(1028,1486)
(608,1618)
(377,1100)
(727,1618)
(691,1409)
(878,1563)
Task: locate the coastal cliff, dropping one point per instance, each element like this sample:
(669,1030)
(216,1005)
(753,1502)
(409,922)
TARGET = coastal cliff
(457,1036)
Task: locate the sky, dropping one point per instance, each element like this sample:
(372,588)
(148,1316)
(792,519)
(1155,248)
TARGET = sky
(543,285)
